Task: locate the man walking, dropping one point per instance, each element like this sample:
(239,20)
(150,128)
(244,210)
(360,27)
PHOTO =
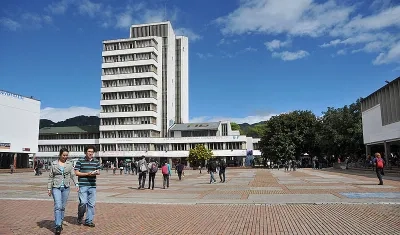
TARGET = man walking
(153,168)
(179,169)
(87,169)
(142,169)
(212,168)
(222,167)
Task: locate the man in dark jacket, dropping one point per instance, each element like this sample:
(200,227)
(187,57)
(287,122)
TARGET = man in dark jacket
(222,167)
(212,168)
(179,169)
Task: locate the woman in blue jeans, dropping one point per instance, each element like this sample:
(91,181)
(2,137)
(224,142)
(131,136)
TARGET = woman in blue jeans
(60,176)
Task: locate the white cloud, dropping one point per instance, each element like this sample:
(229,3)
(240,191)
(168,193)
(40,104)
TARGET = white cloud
(224,41)
(59,7)
(204,56)
(61,114)
(376,32)
(393,55)
(301,17)
(89,8)
(289,56)
(240,120)
(277,44)
(10,24)
(26,21)
(341,52)
(188,33)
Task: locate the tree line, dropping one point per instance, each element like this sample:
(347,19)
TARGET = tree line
(338,132)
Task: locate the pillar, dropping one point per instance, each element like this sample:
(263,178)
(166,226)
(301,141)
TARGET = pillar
(170,161)
(367,150)
(387,152)
(15,161)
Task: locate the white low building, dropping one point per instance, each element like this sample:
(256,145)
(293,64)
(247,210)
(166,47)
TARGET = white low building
(381,120)
(19,129)
(217,136)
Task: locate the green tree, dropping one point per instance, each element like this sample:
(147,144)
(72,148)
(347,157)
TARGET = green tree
(341,132)
(235,126)
(199,154)
(289,135)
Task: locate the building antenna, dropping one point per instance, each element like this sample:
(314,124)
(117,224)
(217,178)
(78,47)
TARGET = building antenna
(165,10)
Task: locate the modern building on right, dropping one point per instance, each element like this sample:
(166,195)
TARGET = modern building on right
(381,121)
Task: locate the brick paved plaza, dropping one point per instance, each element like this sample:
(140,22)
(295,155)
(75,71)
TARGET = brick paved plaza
(250,202)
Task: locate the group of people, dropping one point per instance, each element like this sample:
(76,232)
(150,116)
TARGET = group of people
(213,166)
(62,176)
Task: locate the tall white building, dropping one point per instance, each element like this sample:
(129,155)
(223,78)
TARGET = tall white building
(144,86)
(145,106)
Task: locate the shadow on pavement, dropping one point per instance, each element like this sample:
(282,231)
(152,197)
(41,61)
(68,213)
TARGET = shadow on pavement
(71,220)
(49,224)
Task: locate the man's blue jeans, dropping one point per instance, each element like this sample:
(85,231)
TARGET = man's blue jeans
(212,177)
(60,196)
(87,201)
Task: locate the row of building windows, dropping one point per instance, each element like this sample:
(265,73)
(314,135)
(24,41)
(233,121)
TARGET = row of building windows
(143,147)
(129,95)
(128,108)
(71,148)
(130,45)
(198,133)
(130,69)
(128,121)
(130,57)
(68,136)
(171,147)
(129,82)
(160,30)
(129,134)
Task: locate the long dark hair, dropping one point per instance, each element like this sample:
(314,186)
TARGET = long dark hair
(62,150)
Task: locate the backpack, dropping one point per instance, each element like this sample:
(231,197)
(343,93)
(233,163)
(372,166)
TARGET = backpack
(379,163)
(153,168)
(143,167)
(164,170)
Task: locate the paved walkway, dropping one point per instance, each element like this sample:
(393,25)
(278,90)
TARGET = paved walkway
(250,202)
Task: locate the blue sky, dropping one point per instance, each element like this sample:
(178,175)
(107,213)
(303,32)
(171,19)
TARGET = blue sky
(249,59)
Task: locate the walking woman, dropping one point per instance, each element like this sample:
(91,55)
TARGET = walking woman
(60,176)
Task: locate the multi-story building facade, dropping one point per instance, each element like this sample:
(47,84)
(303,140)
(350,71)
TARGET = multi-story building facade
(145,105)
(381,121)
(217,136)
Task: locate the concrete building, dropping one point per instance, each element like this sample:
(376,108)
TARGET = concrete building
(145,106)
(144,85)
(217,136)
(381,121)
(19,129)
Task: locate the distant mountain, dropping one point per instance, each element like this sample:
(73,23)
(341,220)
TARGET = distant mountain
(251,130)
(75,121)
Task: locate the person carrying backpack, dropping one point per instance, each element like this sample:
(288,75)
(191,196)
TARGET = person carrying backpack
(142,169)
(166,171)
(379,164)
(212,168)
(222,167)
(153,168)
